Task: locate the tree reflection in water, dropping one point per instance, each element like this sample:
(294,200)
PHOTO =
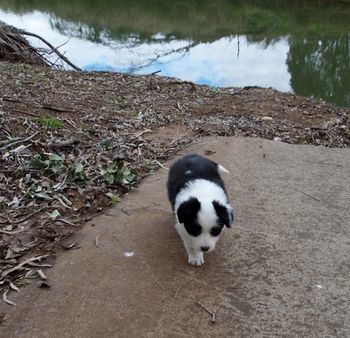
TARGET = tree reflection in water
(320,67)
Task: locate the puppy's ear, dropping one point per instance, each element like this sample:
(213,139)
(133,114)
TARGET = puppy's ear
(187,211)
(225,214)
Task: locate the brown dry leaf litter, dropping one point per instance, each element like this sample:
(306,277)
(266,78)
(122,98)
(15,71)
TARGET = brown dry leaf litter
(15,48)
(71,143)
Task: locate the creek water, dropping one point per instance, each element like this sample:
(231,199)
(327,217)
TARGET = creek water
(295,47)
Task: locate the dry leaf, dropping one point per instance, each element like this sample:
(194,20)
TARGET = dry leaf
(6,300)
(14,287)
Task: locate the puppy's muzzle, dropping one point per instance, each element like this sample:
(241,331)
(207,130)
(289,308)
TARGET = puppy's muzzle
(205,248)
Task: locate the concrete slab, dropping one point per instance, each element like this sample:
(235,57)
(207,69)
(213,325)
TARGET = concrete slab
(283,270)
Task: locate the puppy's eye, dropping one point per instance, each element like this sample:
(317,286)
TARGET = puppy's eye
(193,229)
(216,230)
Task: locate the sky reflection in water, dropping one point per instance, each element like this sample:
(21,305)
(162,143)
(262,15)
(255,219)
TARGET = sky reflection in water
(225,62)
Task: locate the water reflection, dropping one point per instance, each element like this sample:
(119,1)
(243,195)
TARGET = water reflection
(324,64)
(308,64)
(230,61)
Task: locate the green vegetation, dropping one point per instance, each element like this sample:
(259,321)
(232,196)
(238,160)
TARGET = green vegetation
(51,122)
(106,144)
(50,163)
(116,172)
(114,198)
(77,173)
(39,192)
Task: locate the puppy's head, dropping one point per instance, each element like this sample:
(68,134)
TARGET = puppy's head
(204,221)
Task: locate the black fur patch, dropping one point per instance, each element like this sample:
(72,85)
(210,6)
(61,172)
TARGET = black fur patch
(187,215)
(225,216)
(216,231)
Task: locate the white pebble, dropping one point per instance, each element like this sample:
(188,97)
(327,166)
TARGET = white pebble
(129,254)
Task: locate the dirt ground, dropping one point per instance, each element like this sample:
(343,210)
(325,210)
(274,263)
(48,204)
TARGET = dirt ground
(281,271)
(72,143)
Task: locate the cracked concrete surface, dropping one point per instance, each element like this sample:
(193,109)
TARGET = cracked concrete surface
(282,270)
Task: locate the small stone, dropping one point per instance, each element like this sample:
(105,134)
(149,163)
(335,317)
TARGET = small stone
(267,118)
(43,285)
(129,254)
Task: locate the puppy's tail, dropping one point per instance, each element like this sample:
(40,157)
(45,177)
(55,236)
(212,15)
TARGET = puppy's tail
(222,170)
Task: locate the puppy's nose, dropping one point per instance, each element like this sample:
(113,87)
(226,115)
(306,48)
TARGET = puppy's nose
(204,248)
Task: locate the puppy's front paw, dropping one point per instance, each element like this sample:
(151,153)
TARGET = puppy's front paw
(196,259)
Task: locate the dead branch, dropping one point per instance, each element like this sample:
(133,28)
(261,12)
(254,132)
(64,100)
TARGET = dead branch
(63,144)
(23,32)
(15,48)
(212,313)
(8,143)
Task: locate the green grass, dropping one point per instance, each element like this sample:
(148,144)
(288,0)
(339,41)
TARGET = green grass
(51,122)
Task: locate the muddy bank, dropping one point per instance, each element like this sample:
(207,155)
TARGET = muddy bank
(71,143)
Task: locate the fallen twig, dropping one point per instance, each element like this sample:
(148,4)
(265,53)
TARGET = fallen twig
(69,246)
(23,32)
(63,144)
(325,163)
(305,193)
(97,238)
(128,211)
(163,293)
(10,232)
(41,274)
(62,203)
(161,165)
(31,215)
(178,290)
(39,265)
(212,313)
(17,140)
(14,287)
(143,132)
(66,222)
(59,109)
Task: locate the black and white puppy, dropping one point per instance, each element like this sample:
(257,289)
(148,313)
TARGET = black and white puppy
(200,203)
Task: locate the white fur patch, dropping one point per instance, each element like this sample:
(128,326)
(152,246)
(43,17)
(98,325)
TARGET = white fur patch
(222,170)
(205,191)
